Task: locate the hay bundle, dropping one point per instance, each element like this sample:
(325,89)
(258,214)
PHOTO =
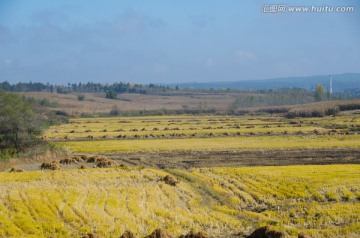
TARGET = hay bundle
(267,232)
(92,235)
(15,170)
(55,167)
(128,234)
(93,159)
(160,233)
(193,234)
(52,166)
(303,235)
(45,165)
(103,159)
(72,160)
(77,158)
(97,159)
(106,163)
(170,180)
(84,157)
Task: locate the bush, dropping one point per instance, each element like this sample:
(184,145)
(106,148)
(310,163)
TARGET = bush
(318,113)
(115,111)
(81,97)
(110,94)
(349,106)
(333,111)
(6,154)
(312,112)
(45,102)
(274,110)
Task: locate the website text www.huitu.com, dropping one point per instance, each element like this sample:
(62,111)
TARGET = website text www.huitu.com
(281,8)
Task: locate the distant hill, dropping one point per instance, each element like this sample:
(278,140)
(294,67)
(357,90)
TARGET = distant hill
(341,83)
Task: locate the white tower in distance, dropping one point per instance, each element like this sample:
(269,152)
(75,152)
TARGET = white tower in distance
(330,85)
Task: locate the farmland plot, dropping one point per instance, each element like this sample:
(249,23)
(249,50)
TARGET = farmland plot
(204,133)
(322,201)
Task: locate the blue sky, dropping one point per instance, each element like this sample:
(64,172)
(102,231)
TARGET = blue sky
(173,41)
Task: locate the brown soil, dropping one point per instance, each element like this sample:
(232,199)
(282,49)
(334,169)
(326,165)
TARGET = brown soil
(278,157)
(229,158)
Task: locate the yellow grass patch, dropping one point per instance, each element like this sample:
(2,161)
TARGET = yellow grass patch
(320,200)
(264,142)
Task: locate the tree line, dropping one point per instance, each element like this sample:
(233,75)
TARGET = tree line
(244,98)
(89,87)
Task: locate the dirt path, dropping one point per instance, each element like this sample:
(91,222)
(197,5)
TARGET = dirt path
(188,159)
(229,158)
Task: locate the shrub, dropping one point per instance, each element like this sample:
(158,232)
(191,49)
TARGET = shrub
(81,97)
(317,113)
(20,125)
(45,102)
(115,111)
(110,94)
(333,111)
(349,106)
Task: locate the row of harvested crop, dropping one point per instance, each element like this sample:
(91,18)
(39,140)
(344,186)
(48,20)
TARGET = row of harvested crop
(262,232)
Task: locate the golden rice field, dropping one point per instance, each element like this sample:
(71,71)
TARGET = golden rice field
(111,127)
(323,201)
(236,143)
(161,133)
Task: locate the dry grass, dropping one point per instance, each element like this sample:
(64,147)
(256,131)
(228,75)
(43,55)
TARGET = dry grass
(321,109)
(174,133)
(319,200)
(95,104)
(176,126)
(213,144)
